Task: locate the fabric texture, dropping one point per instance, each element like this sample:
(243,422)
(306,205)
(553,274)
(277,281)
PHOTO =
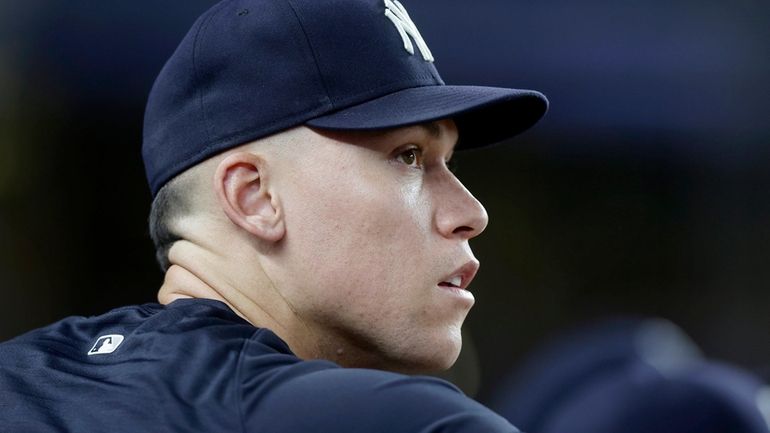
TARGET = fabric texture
(195,366)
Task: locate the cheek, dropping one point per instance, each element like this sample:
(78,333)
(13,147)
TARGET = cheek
(365,238)
(371,237)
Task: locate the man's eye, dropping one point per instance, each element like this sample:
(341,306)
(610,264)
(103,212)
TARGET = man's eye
(411,157)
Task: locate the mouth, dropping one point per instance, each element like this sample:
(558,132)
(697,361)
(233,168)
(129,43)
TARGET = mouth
(461,277)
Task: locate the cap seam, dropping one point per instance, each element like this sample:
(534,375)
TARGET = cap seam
(312,51)
(196,47)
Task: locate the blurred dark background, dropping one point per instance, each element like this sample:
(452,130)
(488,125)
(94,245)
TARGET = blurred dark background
(643,192)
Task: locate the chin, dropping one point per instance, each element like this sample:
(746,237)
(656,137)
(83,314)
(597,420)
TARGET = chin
(447,362)
(437,360)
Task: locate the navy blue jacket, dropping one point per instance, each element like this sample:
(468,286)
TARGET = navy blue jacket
(195,366)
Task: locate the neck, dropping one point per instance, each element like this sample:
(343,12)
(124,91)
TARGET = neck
(181,283)
(197,273)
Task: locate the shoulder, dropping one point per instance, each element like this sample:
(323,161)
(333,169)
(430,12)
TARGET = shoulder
(140,328)
(319,396)
(179,357)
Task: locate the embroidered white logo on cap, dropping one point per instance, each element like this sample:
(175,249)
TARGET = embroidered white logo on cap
(106,344)
(397,13)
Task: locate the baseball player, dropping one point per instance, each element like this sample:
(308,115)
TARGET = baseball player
(314,242)
(630,375)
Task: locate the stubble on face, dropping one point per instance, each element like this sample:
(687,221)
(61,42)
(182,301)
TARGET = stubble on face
(363,250)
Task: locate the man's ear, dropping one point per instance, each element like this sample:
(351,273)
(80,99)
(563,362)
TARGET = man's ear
(242,188)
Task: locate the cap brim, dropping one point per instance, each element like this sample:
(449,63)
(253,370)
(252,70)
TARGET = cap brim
(484,115)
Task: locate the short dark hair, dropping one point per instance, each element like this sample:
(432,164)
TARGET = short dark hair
(169,204)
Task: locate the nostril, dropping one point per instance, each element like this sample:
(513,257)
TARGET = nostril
(462,229)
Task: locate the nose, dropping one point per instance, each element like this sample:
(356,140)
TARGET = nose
(458,214)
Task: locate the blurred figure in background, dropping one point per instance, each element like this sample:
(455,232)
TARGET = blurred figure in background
(631,376)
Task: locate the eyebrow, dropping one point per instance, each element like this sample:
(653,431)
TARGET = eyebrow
(431,128)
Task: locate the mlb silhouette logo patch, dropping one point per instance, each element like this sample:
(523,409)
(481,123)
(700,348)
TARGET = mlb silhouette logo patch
(106,344)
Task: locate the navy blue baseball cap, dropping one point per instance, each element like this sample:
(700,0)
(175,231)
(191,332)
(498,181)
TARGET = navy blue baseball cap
(251,68)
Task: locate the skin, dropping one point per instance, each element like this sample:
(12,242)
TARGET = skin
(337,241)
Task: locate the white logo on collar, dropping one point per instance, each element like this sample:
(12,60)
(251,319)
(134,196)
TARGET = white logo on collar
(106,344)
(397,13)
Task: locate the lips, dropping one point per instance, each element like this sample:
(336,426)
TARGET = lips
(462,276)
(455,281)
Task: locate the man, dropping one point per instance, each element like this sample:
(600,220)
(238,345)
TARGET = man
(631,375)
(314,241)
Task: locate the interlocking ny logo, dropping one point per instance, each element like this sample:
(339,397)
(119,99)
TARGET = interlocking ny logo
(396,12)
(106,344)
